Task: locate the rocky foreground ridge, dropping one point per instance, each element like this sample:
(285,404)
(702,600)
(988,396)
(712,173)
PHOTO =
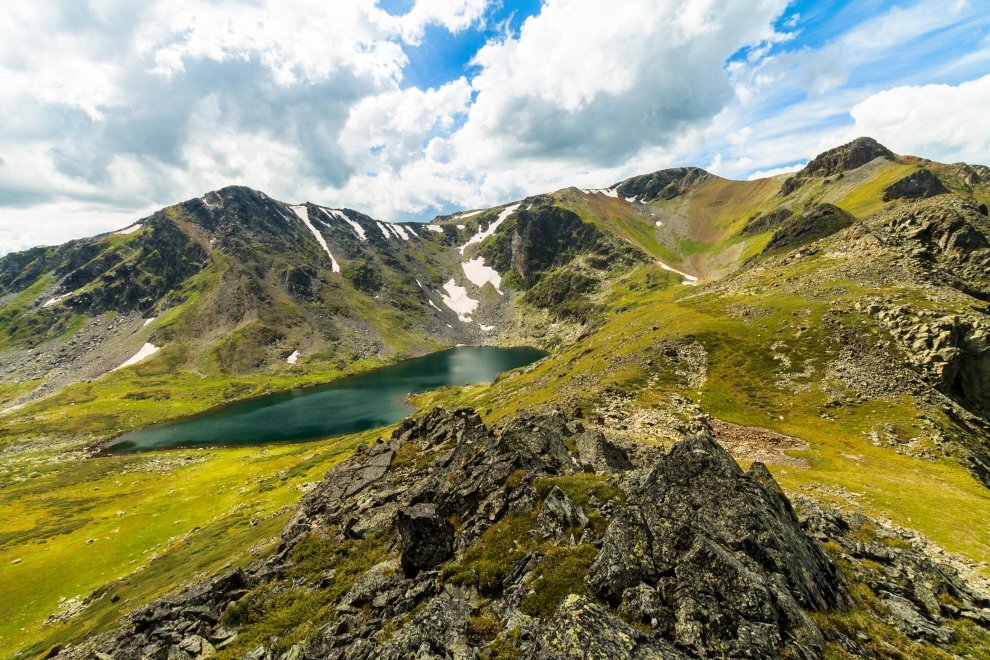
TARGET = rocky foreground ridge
(542,539)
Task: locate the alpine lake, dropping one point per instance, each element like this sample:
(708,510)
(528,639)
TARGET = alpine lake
(348,405)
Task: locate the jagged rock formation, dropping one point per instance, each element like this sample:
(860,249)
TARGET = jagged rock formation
(948,239)
(764,222)
(811,224)
(920,184)
(705,559)
(835,161)
(664,184)
(543,237)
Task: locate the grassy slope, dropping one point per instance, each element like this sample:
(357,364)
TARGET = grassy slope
(155,520)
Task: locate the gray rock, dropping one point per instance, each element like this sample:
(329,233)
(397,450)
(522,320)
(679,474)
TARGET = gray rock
(917,185)
(731,566)
(600,455)
(425,537)
(559,515)
(584,629)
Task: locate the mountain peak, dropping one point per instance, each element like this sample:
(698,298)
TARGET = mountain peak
(663,184)
(840,159)
(848,156)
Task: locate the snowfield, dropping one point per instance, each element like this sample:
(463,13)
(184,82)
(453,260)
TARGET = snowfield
(482,235)
(480,274)
(303,215)
(689,280)
(458,300)
(146,351)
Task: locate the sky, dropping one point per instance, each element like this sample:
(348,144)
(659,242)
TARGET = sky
(406,109)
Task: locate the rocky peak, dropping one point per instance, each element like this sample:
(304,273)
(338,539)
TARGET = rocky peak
(841,159)
(848,156)
(663,184)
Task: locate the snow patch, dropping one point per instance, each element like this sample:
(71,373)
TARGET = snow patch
(462,226)
(458,300)
(434,306)
(340,215)
(689,280)
(148,321)
(492,226)
(608,192)
(401,231)
(129,230)
(437,228)
(303,214)
(57,299)
(479,273)
(292,359)
(146,351)
(464,216)
(486,328)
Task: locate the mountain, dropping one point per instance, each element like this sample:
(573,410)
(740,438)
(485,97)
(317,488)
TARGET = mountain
(828,330)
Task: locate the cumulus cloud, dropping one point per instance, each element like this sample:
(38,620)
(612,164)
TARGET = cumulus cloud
(942,122)
(599,81)
(124,107)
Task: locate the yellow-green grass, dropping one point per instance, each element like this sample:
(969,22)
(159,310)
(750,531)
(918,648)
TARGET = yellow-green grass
(867,197)
(139,525)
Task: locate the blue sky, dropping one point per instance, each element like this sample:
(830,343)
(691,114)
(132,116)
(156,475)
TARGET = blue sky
(411,108)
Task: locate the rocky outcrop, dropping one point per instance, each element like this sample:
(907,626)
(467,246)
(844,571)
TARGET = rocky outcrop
(716,558)
(946,237)
(764,222)
(841,159)
(951,351)
(697,558)
(920,184)
(663,184)
(922,597)
(425,538)
(543,237)
(813,223)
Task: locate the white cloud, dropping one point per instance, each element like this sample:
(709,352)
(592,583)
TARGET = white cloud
(948,122)
(764,174)
(123,107)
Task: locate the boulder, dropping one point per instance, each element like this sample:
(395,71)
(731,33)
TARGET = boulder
(559,514)
(599,455)
(721,554)
(917,185)
(584,629)
(426,538)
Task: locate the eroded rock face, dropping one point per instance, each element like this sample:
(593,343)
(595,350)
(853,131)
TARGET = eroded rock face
(813,223)
(425,538)
(716,557)
(664,184)
(917,185)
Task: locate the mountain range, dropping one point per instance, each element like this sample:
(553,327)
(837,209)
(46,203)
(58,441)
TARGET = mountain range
(829,326)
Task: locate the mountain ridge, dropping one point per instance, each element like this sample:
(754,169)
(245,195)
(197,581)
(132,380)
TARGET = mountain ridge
(838,335)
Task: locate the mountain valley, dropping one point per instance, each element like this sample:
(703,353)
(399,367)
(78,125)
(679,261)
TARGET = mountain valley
(762,427)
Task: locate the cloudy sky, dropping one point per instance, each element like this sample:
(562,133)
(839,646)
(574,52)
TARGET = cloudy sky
(405,109)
